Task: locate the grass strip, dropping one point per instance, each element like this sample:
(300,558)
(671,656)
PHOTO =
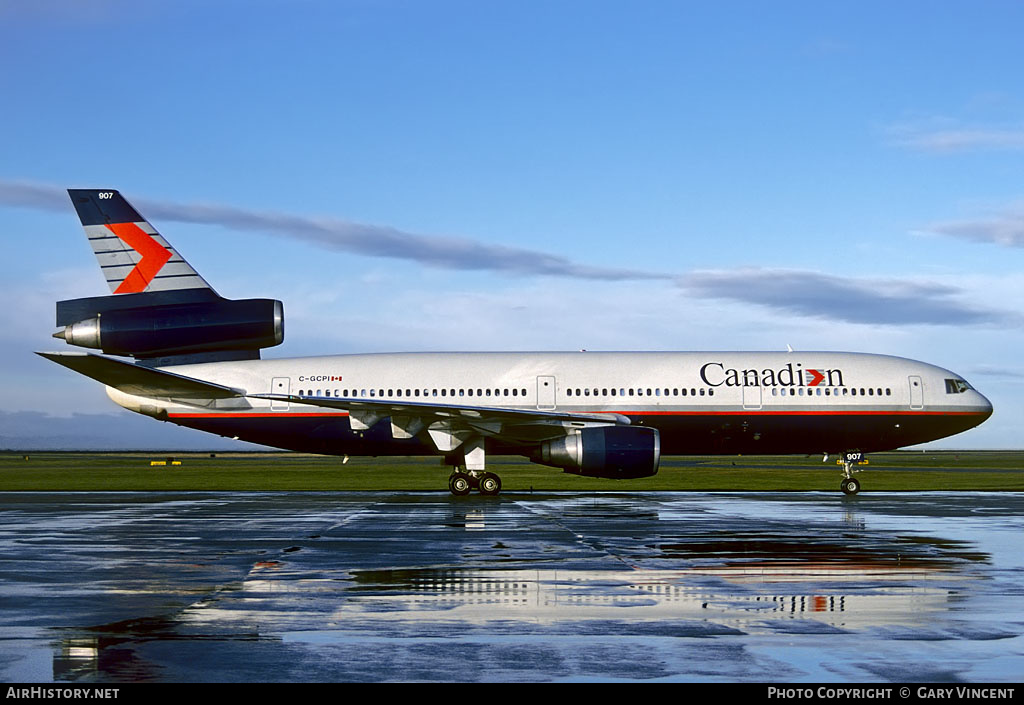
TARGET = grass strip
(132,471)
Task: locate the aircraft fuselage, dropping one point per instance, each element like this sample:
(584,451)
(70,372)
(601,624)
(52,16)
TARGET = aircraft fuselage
(700,402)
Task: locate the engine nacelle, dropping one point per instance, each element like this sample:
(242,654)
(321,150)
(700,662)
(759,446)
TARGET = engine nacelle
(615,452)
(181,328)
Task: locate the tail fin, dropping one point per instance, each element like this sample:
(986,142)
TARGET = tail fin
(132,255)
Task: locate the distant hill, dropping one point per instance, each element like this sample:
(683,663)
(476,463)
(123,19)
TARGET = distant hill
(33,430)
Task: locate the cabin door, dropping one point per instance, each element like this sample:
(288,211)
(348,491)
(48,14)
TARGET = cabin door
(916,392)
(546,393)
(280,385)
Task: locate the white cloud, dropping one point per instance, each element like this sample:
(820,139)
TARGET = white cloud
(452,253)
(1006,229)
(830,297)
(962,140)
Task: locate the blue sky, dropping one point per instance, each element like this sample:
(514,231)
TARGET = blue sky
(534,175)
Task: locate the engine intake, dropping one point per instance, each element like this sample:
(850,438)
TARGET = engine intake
(614,452)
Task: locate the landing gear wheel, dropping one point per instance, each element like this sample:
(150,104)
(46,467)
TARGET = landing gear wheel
(490,484)
(459,484)
(849,486)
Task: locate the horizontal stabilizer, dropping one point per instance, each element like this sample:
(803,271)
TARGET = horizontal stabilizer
(138,380)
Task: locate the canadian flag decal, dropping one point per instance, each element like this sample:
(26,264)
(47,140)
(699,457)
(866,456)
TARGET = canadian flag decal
(154,257)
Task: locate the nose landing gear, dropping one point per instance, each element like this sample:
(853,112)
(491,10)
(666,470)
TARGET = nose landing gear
(850,485)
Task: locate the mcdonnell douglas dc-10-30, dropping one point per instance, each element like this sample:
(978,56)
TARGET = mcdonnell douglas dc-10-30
(195,361)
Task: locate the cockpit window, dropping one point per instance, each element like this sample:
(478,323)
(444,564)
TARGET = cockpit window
(956,386)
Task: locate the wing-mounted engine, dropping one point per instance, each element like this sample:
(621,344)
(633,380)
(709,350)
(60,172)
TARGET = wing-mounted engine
(168,327)
(615,452)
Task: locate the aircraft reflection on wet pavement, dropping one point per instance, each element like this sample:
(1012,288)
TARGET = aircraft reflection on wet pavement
(384,586)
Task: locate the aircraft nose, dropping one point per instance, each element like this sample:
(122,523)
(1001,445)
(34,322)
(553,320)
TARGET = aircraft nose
(984,406)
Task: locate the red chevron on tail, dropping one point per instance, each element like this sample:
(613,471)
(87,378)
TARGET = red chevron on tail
(154,257)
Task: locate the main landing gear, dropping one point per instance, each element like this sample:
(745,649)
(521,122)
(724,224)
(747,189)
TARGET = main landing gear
(462,482)
(468,462)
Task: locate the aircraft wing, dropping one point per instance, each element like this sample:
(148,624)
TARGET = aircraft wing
(142,381)
(409,417)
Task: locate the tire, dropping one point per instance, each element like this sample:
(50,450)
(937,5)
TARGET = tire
(850,486)
(459,485)
(490,484)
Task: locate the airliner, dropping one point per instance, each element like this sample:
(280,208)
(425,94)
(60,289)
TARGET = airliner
(177,351)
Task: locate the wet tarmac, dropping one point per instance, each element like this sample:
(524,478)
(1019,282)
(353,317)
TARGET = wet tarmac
(736,587)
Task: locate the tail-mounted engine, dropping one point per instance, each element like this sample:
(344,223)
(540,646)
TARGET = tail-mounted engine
(167,327)
(615,452)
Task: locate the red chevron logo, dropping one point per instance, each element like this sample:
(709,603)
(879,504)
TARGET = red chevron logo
(154,257)
(816,378)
